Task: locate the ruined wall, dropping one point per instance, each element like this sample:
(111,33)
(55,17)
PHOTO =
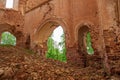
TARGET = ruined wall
(36,19)
(16,4)
(86,14)
(30,4)
(2,3)
(63,10)
(110,23)
(118,17)
(44,13)
(67,14)
(12,21)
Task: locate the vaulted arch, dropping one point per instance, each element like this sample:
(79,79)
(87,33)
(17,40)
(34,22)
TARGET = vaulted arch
(83,37)
(44,31)
(12,29)
(46,28)
(7,39)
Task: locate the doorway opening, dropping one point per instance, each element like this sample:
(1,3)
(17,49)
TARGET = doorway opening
(84,41)
(85,45)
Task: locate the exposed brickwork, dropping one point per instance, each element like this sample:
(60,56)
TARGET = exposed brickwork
(36,19)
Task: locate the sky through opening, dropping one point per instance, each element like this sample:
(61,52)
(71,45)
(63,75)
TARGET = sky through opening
(9,3)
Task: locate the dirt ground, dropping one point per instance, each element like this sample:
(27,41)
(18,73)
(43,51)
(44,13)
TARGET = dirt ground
(21,64)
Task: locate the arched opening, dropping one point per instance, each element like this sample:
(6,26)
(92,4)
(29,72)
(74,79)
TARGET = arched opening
(56,45)
(8,39)
(9,3)
(84,40)
(51,46)
(84,44)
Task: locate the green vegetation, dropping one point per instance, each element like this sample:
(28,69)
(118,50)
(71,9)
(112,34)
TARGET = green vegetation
(89,44)
(59,53)
(8,39)
(56,51)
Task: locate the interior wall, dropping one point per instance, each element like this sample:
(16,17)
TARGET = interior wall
(2,3)
(45,31)
(109,17)
(119,11)
(15,4)
(31,4)
(70,12)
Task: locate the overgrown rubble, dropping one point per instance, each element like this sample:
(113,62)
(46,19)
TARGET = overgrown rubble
(20,64)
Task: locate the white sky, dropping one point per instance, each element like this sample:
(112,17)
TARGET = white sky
(57,34)
(9,3)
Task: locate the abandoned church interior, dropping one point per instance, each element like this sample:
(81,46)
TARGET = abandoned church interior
(33,21)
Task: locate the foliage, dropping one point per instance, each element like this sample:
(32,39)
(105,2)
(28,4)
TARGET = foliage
(8,39)
(60,54)
(89,44)
(55,52)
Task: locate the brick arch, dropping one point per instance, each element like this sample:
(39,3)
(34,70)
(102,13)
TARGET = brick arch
(46,28)
(12,29)
(43,32)
(81,47)
(94,31)
(88,24)
(82,32)
(7,27)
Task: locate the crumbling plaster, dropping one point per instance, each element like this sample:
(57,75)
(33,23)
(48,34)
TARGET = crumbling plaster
(36,19)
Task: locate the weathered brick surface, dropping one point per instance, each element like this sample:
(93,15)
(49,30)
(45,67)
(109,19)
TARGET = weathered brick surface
(37,19)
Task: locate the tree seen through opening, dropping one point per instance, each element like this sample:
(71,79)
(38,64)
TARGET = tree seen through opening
(90,50)
(56,45)
(8,39)
(84,40)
